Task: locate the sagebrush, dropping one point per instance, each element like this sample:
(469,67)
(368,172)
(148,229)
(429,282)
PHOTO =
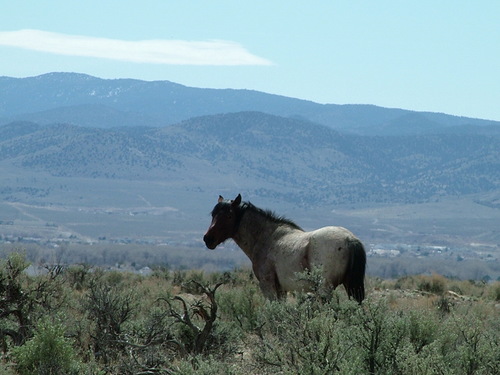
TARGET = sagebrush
(82,320)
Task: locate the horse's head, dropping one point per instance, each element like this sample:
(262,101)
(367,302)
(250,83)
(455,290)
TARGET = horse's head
(224,222)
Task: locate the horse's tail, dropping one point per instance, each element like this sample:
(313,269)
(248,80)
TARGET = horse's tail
(354,280)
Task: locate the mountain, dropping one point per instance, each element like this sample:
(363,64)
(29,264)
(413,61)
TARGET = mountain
(89,101)
(269,155)
(84,159)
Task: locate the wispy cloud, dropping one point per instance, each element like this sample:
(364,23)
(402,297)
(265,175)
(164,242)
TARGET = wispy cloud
(171,52)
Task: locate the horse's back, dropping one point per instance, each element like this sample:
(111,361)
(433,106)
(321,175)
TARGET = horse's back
(332,233)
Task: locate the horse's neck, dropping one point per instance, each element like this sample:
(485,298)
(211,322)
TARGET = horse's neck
(254,234)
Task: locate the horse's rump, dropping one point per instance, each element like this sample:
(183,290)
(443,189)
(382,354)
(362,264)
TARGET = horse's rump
(342,257)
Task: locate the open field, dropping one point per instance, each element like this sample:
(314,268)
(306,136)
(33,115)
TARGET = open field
(93,208)
(454,236)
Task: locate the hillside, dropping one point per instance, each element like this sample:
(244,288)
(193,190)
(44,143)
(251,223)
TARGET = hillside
(273,156)
(89,101)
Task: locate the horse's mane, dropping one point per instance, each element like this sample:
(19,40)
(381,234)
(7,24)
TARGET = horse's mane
(269,215)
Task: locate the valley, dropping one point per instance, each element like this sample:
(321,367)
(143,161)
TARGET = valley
(148,224)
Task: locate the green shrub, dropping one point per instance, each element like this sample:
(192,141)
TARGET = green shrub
(179,277)
(435,284)
(474,347)
(108,308)
(47,353)
(77,276)
(495,291)
(162,272)
(24,299)
(7,369)
(205,365)
(422,329)
(371,333)
(243,305)
(405,282)
(307,337)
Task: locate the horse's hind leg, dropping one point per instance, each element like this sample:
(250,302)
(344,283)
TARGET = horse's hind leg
(270,291)
(327,287)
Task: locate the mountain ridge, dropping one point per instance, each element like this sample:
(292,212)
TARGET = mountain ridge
(275,155)
(55,97)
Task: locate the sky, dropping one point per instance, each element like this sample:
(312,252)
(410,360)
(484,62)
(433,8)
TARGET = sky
(437,56)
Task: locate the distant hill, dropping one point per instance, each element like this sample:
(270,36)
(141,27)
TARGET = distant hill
(92,102)
(289,159)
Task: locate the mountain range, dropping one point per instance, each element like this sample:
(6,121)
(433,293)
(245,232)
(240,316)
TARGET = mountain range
(277,156)
(89,101)
(78,141)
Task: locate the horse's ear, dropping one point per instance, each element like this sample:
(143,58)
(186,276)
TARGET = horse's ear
(220,199)
(236,201)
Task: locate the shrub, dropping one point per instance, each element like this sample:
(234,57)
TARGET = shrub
(495,291)
(242,304)
(476,338)
(422,329)
(179,277)
(47,353)
(7,369)
(372,336)
(162,272)
(15,303)
(307,337)
(109,308)
(205,365)
(78,275)
(25,299)
(435,284)
(208,337)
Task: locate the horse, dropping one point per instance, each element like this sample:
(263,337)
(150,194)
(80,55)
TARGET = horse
(279,250)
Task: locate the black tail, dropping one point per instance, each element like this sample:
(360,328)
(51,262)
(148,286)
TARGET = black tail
(354,280)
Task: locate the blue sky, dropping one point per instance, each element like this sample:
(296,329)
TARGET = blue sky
(439,56)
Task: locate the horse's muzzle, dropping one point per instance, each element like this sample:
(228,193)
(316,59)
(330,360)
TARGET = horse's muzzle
(210,241)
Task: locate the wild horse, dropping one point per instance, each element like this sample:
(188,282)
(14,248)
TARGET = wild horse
(279,249)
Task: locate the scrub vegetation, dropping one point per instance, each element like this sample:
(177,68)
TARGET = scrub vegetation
(82,320)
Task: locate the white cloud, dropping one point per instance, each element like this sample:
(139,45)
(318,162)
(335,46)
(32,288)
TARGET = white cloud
(172,52)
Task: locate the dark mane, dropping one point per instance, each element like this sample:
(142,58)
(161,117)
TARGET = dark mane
(269,215)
